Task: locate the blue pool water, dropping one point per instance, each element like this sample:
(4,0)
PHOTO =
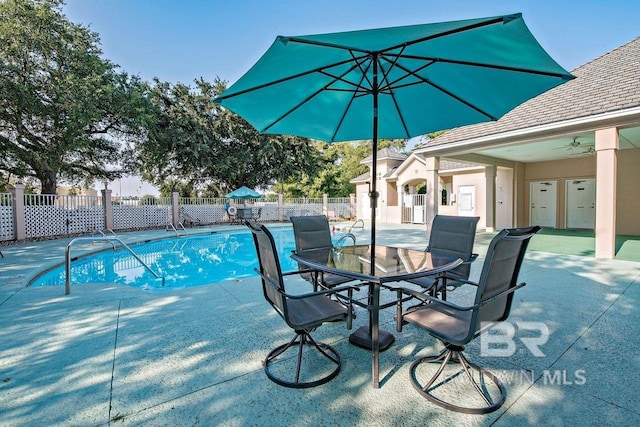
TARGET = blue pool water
(183,262)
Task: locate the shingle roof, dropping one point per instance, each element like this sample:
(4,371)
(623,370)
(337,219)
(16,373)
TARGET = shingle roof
(608,83)
(386,153)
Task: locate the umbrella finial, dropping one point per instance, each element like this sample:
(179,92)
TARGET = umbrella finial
(284,40)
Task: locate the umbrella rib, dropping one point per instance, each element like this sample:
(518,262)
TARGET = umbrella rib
(487,23)
(353,97)
(389,85)
(222,97)
(358,86)
(325,87)
(481,65)
(450,32)
(451,94)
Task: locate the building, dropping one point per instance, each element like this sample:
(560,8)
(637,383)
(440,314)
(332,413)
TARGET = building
(569,158)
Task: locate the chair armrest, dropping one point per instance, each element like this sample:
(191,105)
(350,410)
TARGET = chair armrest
(427,298)
(503,294)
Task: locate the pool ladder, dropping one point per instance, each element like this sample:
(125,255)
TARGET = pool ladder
(110,239)
(175,230)
(359,223)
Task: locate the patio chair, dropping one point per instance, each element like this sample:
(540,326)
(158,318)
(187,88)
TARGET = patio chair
(313,232)
(450,236)
(190,221)
(456,326)
(245,214)
(303,313)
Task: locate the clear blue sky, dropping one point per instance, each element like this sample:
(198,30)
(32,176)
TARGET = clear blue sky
(183,40)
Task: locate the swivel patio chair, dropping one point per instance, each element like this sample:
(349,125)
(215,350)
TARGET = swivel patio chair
(456,326)
(450,236)
(313,232)
(303,313)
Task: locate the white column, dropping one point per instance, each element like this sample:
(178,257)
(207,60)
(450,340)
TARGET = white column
(432,198)
(107,208)
(19,227)
(607,145)
(175,213)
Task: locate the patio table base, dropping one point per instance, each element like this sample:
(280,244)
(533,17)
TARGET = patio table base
(362,338)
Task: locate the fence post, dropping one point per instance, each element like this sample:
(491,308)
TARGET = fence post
(325,205)
(280,208)
(352,206)
(107,209)
(175,209)
(19,229)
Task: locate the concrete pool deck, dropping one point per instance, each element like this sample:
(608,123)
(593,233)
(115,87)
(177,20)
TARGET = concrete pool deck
(112,354)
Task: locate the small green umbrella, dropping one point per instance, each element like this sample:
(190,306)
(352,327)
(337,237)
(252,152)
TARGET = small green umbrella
(243,193)
(394,82)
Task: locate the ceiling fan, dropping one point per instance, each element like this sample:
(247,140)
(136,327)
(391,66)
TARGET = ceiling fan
(586,148)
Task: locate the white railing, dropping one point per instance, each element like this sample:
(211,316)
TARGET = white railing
(46,216)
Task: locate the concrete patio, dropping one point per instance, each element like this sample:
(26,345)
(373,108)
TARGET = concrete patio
(108,354)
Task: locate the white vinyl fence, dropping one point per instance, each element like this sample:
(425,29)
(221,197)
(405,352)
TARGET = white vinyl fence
(34,216)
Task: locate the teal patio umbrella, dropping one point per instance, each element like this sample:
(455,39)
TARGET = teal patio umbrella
(243,193)
(394,82)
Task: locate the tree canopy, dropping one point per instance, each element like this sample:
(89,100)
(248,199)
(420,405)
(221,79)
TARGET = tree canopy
(195,146)
(65,113)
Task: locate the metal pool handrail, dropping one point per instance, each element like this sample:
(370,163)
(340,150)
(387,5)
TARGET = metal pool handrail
(67,283)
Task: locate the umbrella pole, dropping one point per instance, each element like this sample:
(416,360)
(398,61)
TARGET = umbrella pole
(373,195)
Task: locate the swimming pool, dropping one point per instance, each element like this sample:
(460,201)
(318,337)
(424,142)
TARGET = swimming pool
(183,262)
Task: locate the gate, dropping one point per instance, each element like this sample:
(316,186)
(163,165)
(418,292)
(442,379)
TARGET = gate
(414,209)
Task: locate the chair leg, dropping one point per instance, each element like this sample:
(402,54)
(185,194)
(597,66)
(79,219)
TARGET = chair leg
(301,339)
(453,354)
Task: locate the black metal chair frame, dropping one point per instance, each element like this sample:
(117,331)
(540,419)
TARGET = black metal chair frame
(313,232)
(456,325)
(303,313)
(451,236)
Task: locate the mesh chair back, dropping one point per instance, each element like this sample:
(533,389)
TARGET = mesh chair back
(500,273)
(272,281)
(311,232)
(454,236)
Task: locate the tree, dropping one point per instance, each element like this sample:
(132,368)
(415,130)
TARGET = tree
(196,144)
(341,162)
(65,113)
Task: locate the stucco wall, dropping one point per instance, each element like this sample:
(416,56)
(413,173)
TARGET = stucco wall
(477,180)
(628,192)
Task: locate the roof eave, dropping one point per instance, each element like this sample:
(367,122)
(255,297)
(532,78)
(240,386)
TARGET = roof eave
(618,118)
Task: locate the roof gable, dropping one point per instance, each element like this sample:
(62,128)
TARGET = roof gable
(608,83)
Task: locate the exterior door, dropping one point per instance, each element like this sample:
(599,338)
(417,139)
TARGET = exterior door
(581,203)
(543,203)
(466,200)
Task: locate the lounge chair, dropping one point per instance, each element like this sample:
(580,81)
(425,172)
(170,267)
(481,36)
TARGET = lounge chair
(190,221)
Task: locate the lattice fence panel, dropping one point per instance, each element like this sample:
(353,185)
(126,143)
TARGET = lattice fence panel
(145,216)
(6,216)
(203,210)
(339,208)
(51,215)
(301,207)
